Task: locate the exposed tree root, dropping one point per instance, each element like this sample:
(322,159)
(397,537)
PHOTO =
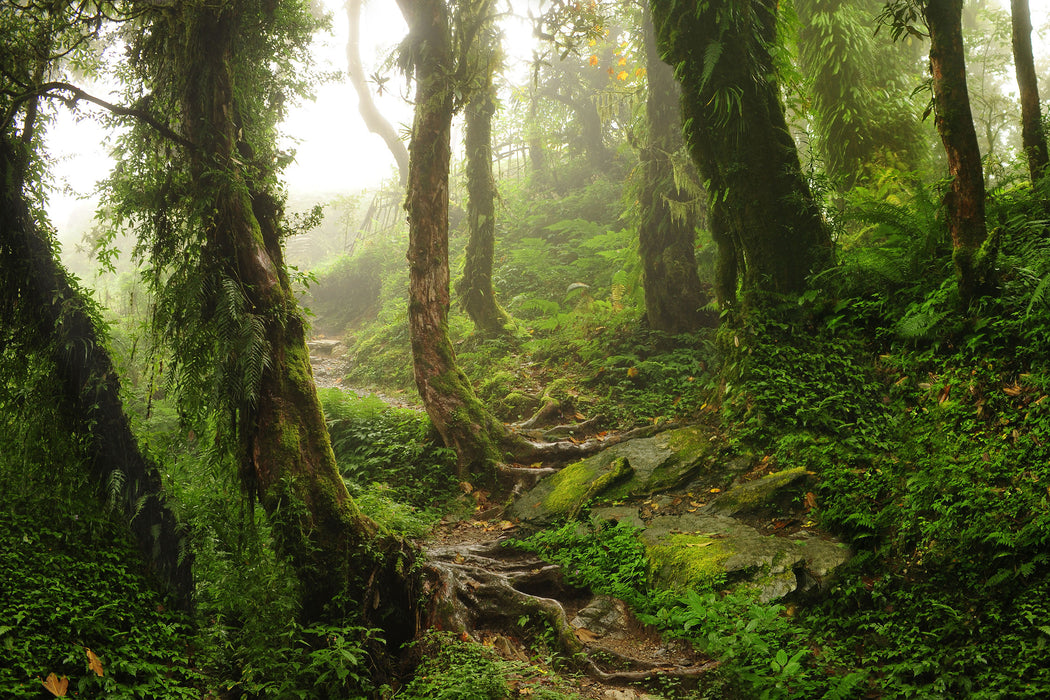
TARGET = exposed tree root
(525,450)
(485,587)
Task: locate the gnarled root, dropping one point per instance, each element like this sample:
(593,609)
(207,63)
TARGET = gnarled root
(484,587)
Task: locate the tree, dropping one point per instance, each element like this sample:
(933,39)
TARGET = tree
(475,287)
(463,422)
(964,201)
(374,119)
(1033,140)
(667,231)
(859,89)
(52,315)
(211,219)
(765,220)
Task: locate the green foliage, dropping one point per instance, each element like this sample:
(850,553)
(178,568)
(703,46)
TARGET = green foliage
(77,584)
(606,558)
(456,670)
(376,443)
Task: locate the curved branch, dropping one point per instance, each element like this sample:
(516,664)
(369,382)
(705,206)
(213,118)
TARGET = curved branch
(79,95)
(374,119)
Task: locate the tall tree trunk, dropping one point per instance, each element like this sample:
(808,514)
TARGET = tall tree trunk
(38,292)
(737,135)
(347,568)
(475,288)
(461,419)
(666,239)
(1032,137)
(964,201)
(374,119)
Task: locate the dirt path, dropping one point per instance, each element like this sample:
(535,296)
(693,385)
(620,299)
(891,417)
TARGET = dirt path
(553,634)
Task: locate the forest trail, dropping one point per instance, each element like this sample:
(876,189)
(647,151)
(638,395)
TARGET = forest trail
(519,606)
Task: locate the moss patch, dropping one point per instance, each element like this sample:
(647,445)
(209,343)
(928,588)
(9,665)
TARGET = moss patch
(577,483)
(685,561)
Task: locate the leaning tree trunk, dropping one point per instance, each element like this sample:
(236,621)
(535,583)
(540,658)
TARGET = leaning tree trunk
(737,135)
(374,119)
(674,299)
(1033,139)
(38,292)
(463,422)
(475,288)
(347,568)
(964,201)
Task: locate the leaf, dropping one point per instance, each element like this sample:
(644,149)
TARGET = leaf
(632,372)
(943,394)
(1014,390)
(94,663)
(466,486)
(622,75)
(594,59)
(811,499)
(56,686)
(585,635)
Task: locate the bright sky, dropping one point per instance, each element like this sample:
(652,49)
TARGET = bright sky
(335,153)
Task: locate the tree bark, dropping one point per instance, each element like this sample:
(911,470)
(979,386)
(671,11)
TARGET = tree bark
(39,294)
(1033,140)
(475,288)
(347,568)
(463,422)
(666,241)
(373,118)
(964,201)
(737,134)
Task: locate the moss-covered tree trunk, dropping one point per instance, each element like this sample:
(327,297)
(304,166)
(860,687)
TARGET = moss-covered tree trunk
(373,118)
(737,134)
(36,294)
(463,422)
(346,567)
(1033,140)
(674,299)
(475,288)
(964,201)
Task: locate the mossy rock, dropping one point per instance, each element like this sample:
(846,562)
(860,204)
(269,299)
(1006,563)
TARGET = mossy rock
(634,468)
(702,550)
(772,490)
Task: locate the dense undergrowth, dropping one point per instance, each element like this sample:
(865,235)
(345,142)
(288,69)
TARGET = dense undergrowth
(928,426)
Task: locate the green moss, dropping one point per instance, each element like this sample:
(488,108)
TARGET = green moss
(577,483)
(688,561)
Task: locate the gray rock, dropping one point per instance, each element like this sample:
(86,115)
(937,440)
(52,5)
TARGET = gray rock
(633,468)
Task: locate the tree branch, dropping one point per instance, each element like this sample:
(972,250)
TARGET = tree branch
(78,95)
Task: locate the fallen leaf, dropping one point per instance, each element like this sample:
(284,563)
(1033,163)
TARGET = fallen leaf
(466,486)
(716,490)
(699,544)
(943,394)
(579,416)
(585,635)
(94,663)
(811,499)
(632,372)
(506,525)
(56,686)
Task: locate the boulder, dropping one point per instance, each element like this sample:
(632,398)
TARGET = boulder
(634,468)
(712,546)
